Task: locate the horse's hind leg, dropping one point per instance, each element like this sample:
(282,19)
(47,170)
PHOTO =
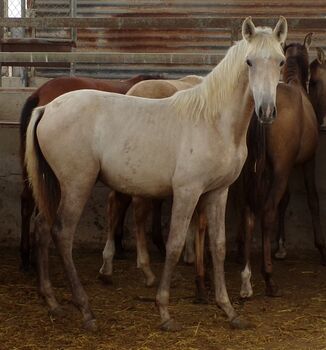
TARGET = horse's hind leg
(42,237)
(313,202)
(117,205)
(201,292)
(122,201)
(249,226)
(281,250)
(157,236)
(27,208)
(184,203)
(73,198)
(141,209)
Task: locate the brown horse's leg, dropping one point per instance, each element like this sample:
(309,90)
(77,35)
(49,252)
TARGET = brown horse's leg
(123,202)
(201,292)
(157,236)
(42,237)
(269,221)
(249,226)
(141,210)
(117,205)
(27,208)
(281,251)
(313,202)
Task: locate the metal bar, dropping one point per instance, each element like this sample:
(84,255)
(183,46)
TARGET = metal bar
(154,22)
(12,58)
(73,14)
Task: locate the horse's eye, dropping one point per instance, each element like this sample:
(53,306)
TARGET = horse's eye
(249,63)
(282,63)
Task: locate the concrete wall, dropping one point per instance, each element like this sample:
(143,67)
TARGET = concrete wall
(91,230)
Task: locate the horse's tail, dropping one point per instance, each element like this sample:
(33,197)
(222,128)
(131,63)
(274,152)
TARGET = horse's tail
(257,165)
(25,116)
(44,183)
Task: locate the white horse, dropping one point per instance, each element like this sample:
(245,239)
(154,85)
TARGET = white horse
(191,145)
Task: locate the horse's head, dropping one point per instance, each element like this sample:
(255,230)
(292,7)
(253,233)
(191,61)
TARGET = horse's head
(297,61)
(264,58)
(317,85)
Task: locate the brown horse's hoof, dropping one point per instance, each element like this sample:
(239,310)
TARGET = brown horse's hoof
(90,325)
(106,279)
(241,323)
(170,326)
(274,292)
(57,313)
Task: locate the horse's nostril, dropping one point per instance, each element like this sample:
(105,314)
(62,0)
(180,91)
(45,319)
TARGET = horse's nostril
(260,112)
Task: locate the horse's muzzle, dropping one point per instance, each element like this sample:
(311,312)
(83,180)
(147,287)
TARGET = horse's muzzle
(267,113)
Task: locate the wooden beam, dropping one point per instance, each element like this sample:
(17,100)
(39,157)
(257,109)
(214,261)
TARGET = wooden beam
(51,58)
(155,22)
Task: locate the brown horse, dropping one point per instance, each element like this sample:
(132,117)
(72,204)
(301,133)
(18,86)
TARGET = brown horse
(42,96)
(291,140)
(118,203)
(317,85)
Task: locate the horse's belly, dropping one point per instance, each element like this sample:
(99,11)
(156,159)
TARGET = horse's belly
(138,181)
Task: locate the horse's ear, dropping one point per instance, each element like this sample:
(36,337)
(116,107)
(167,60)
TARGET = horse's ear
(248,29)
(307,40)
(281,30)
(320,55)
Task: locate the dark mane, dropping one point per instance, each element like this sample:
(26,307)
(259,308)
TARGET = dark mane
(297,66)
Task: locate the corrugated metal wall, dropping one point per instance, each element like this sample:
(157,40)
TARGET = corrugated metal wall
(177,40)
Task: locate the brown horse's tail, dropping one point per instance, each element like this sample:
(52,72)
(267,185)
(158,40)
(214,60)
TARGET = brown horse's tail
(257,167)
(44,183)
(25,116)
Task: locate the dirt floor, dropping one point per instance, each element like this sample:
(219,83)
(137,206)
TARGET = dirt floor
(127,317)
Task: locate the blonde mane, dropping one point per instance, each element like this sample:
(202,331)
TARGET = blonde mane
(205,100)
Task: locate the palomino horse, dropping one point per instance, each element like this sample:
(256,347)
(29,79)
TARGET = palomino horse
(273,151)
(191,145)
(317,85)
(119,202)
(43,95)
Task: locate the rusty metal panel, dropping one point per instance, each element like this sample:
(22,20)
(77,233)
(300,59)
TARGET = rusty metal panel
(179,40)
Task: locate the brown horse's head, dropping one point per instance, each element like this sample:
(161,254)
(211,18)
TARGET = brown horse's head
(317,85)
(297,61)
(264,58)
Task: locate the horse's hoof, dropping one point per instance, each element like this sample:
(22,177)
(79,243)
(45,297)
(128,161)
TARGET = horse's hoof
(106,279)
(274,292)
(246,295)
(240,322)
(57,312)
(170,326)
(151,282)
(280,255)
(90,325)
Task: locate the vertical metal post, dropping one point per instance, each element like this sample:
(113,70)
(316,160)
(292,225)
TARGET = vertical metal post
(2,15)
(73,13)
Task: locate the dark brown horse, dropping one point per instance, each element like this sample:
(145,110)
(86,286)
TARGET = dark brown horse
(317,85)
(42,96)
(291,140)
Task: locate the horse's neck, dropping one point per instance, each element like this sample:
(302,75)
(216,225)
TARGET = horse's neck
(295,73)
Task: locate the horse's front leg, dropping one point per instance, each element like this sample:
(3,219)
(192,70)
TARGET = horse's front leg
(313,202)
(249,226)
(269,221)
(215,204)
(281,250)
(184,203)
